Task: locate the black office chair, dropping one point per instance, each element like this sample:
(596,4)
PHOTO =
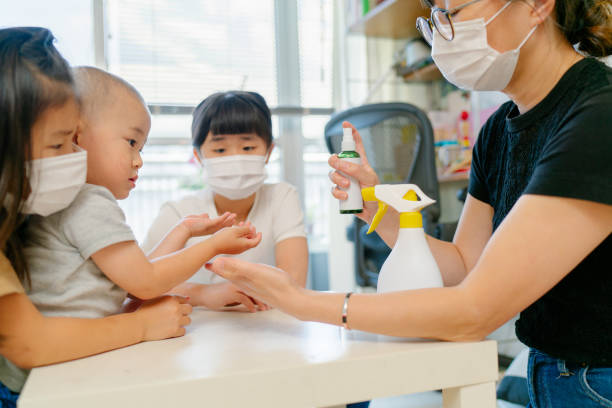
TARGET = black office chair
(398,140)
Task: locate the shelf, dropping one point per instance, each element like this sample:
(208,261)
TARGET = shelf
(426,73)
(391,19)
(447,178)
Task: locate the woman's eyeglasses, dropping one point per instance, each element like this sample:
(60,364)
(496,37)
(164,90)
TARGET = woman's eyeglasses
(441,20)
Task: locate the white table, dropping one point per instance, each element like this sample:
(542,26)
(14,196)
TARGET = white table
(267,359)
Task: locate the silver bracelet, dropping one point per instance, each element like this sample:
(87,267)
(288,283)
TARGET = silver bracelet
(345,311)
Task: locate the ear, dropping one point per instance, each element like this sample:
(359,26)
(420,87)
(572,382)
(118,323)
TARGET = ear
(272,145)
(196,154)
(541,10)
(77,139)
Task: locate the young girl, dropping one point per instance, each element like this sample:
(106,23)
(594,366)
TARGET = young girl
(232,139)
(38,119)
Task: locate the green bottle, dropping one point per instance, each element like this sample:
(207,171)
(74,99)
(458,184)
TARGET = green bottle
(354,203)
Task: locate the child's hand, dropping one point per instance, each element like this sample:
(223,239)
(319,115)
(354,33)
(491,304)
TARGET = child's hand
(220,296)
(202,224)
(164,317)
(235,240)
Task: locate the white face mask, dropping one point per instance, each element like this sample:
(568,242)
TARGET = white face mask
(469,62)
(55,182)
(237,176)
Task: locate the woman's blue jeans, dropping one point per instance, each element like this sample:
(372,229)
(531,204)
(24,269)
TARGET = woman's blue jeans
(8,398)
(555,383)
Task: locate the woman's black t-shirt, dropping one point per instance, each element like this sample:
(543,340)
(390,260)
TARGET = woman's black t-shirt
(562,147)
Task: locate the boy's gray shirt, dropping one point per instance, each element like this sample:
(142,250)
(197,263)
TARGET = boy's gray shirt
(65,281)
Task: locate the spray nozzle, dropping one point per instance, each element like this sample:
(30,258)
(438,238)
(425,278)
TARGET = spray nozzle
(407,199)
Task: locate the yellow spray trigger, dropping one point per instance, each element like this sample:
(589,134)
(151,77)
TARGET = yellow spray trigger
(369,195)
(403,197)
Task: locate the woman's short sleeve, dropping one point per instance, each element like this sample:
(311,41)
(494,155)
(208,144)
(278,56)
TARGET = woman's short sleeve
(577,161)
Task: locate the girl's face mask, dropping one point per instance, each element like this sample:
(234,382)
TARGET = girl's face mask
(237,176)
(55,182)
(469,62)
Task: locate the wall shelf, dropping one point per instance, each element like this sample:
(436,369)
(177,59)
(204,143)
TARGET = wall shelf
(427,73)
(391,19)
(448,178)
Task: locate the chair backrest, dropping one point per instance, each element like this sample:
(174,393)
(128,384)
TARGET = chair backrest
(398,140)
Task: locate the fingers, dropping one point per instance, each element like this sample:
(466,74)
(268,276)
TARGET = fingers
(184,300)
(185,321)
(186,309)
(348,168)
(227,218)
(180,332)
(247,302)
(223,267)
(338,179)
(256,239)
(260,305)
(339,194)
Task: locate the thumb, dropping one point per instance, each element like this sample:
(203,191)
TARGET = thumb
(221,266)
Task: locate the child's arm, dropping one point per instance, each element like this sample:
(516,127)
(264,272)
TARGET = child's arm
(188,227)
(29,339)
(126,264)
(292,257)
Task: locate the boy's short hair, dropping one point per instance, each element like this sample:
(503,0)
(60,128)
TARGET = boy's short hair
(229,113)
(97,89)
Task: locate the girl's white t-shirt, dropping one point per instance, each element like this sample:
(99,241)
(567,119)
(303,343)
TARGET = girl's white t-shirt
(276,213)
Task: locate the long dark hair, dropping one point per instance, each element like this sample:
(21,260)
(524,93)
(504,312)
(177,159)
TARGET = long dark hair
(587,23)
(33,77)
(231,112)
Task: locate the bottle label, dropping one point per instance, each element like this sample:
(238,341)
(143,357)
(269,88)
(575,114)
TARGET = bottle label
(354,201)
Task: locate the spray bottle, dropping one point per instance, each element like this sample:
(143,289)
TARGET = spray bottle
(410,264)
(353,204)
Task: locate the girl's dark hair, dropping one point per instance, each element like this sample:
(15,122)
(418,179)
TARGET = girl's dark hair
(587,23)
(33,77)
(232,112)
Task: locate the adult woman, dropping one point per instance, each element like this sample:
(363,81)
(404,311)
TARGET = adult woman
(535,232)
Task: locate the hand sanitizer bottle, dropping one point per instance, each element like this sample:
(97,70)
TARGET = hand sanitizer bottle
(353,204)
(410,264)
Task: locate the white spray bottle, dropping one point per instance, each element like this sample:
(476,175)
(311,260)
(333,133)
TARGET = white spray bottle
(410,264)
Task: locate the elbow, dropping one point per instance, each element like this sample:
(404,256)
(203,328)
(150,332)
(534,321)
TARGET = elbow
(26,362)
(149,286)
(146,292)
(472,322)
(23,356)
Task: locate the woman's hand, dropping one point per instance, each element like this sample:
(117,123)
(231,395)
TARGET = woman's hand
(363,173)
(202,224)
(221,296)
(164,317)
(235,240)
(270,285)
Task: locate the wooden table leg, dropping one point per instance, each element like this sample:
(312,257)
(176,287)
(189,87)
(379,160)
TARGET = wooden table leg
(470,396)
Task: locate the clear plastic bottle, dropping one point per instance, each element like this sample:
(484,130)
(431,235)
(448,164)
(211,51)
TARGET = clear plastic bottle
(354,203)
